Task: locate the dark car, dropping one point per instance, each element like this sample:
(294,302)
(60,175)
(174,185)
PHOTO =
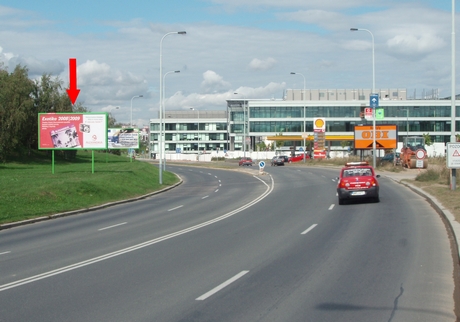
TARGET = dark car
(357,181)
(285,158)
(277,160)
(245,161)
(390,158)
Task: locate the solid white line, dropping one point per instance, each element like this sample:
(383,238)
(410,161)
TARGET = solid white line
(5,253)
(120,224)
(332,206)
(176,208)
(311,227)
(205,197)
(221,286)
(148,243)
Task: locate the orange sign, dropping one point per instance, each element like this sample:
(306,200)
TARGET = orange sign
(386,136)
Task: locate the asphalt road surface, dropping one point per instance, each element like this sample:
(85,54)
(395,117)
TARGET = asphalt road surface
(235,246)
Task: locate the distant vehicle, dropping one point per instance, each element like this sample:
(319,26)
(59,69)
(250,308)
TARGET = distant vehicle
(390,158)
(357,181)
(245,161)
(413,144)
(277,160)
(285,158)
(298,157)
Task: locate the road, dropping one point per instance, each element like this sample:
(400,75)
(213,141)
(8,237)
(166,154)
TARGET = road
(233,246)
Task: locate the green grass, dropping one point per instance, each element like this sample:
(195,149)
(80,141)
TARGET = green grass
(30,189)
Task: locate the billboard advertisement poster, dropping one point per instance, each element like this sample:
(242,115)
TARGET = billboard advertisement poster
(72,131)
(123,138)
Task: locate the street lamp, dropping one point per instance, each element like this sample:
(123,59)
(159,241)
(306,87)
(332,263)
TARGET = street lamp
(164,112)
(131,123)
(304,115)
(160,139)
(373,90)
(198,130)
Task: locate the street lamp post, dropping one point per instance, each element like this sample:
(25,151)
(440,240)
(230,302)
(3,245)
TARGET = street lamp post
(160,139)
(304,115)
(131,123)
(164,111)
(373,90)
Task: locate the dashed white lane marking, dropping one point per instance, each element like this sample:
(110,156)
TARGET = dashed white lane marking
(175,208)
(5,253)
(113,226)
(205,197)
(216,190)
(221,286)
(311,227)
(332,206)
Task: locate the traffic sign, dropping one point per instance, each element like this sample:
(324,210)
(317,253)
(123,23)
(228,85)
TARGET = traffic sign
(368,113)
(261,164)
(453,155)
(379,114)
(420,154)
(374,101)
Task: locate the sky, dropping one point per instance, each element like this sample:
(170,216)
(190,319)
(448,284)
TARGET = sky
(232,49)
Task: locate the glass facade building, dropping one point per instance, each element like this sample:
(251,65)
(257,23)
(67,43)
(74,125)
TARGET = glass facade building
(254,121)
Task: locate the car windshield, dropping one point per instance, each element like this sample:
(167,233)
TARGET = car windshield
(357,172)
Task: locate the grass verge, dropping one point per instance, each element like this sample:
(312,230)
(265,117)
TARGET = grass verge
(30,189)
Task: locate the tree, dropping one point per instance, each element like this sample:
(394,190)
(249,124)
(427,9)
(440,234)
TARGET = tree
(16,105)
(427,138)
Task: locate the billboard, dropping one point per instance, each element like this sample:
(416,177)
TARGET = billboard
(123,138)
(62,131)
(386,136)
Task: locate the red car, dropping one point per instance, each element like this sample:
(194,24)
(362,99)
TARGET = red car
(245,161)
(297,158)
(357,181)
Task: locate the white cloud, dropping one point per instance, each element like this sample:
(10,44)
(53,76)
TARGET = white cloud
(410,45)
(258,64)
(212,82)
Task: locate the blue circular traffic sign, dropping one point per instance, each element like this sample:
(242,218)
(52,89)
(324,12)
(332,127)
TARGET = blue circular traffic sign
(261,164)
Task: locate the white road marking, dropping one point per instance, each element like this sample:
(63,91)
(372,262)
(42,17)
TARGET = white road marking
(205,197)
(311,227)
(332,206)
(175,208)
(216,190)
(219,180)
(120,224)
(148,243)
(221,286)
(216,177)
(5,253)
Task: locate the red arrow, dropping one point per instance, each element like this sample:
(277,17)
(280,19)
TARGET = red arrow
(73,91)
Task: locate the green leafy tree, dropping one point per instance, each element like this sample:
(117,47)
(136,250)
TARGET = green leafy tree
(16,105)
(427,138)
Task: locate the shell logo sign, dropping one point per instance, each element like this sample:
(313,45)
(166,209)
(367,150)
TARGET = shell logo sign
(319,125)
(386,136)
